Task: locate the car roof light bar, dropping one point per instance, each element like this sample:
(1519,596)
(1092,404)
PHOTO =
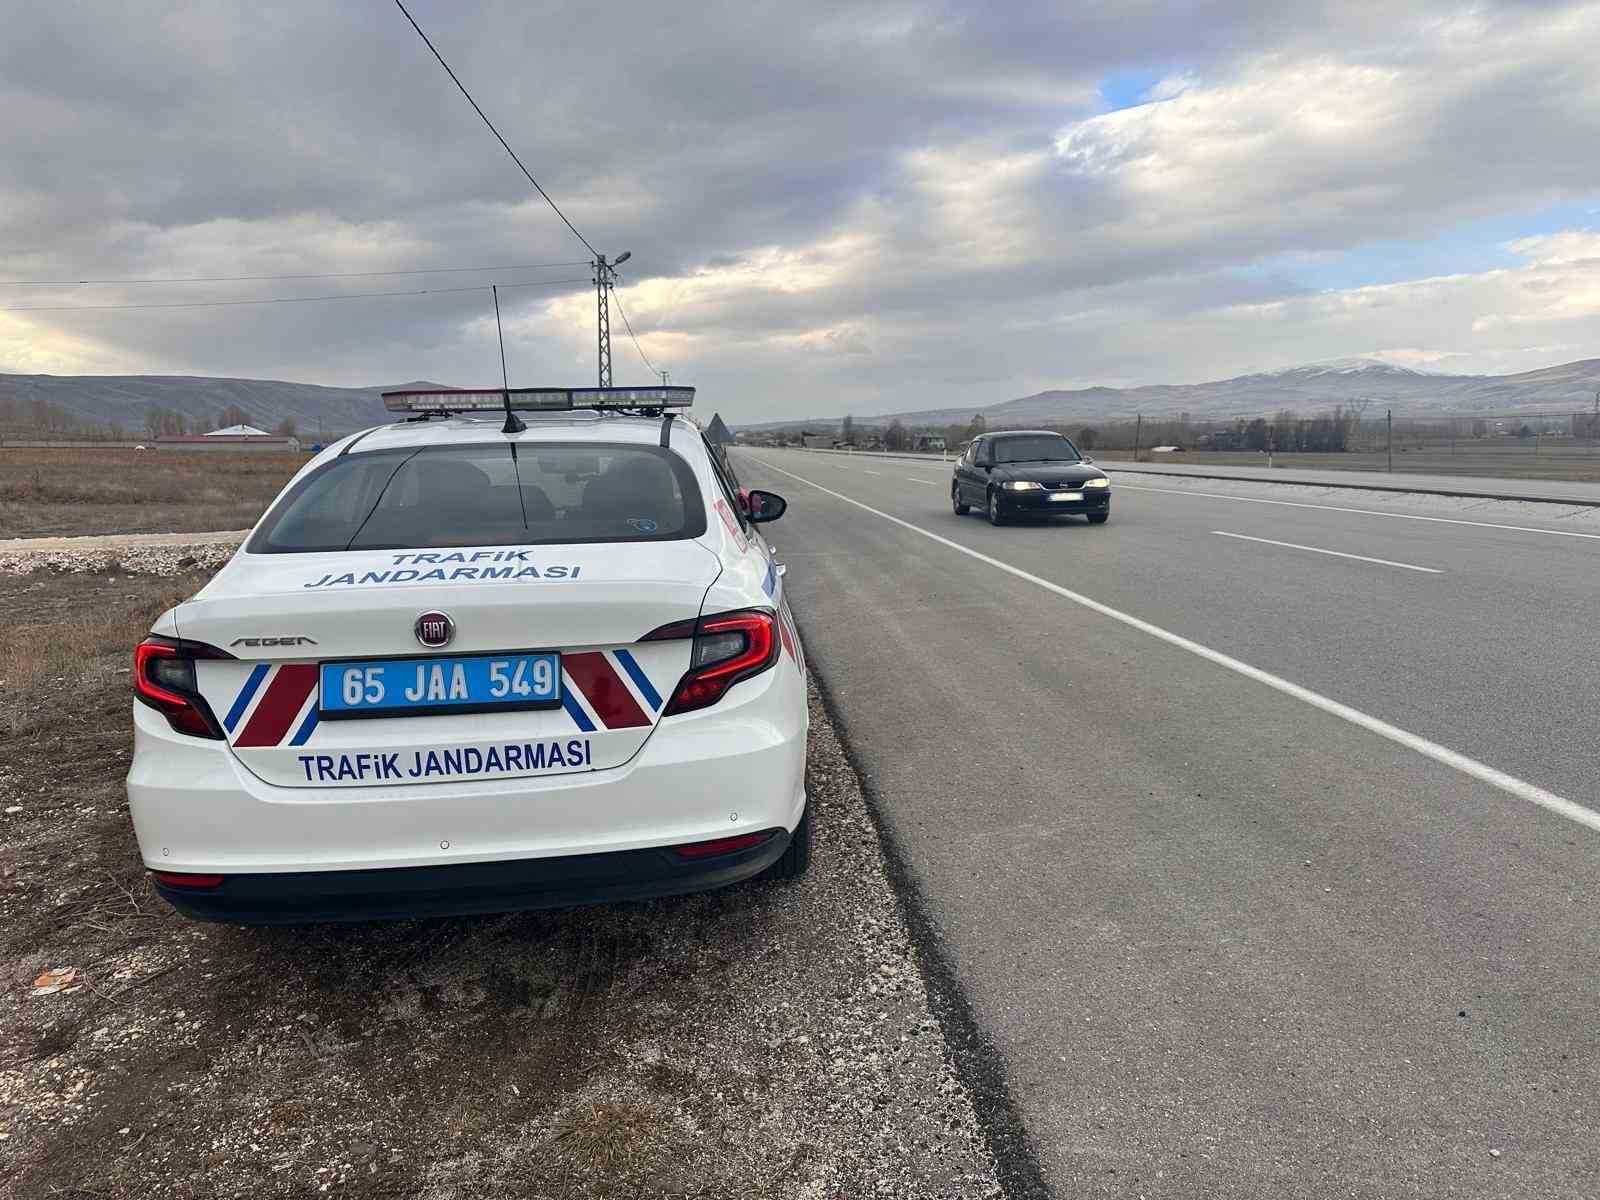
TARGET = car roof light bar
(460,400)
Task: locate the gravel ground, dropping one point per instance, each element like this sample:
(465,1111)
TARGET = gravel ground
(132,553)
(765,1040)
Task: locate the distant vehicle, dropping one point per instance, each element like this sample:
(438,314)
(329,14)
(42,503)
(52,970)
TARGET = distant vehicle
(139,447)
(1034,473)
(463,667)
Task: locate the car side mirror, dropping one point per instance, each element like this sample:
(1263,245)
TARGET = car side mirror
(1089,458)
(766,506)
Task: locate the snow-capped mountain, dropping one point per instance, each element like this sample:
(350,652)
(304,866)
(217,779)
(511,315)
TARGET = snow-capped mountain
(1370,368)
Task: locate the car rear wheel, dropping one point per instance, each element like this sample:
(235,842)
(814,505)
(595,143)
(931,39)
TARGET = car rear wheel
(796,858)
(996,517)
(1099,518)
(955,501)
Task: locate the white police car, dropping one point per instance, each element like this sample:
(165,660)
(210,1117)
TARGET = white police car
(466,666)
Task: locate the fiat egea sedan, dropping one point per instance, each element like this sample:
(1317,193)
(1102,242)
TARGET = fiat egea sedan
(1028,473)
(464,666)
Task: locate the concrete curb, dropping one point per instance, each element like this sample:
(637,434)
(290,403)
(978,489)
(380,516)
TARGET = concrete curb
(1461,493)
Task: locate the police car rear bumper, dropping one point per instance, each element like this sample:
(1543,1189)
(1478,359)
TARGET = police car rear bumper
(461,889)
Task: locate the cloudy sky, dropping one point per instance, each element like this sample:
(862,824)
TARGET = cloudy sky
(831,207)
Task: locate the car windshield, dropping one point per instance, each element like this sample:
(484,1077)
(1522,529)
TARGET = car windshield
(494,494)
(1043,448)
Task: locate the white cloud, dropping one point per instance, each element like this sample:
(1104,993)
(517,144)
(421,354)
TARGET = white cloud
(832,207)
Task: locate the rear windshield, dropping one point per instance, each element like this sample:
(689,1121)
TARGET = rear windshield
(495,494)
(1044,448)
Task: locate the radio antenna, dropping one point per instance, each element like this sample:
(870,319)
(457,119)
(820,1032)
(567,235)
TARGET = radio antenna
(513,422)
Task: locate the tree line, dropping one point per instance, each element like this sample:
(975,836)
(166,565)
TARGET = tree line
(44,420)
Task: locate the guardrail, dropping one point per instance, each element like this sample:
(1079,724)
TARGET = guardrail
(1462,492)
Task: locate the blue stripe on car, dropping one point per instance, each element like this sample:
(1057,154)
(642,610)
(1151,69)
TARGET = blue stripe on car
(242,701)
(640,679)
(575,711)
(770,583)
(303,734)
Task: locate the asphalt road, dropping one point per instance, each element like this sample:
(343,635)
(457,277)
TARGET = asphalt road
(1325,931)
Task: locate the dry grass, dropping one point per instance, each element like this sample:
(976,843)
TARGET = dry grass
(67,651)
(45,493)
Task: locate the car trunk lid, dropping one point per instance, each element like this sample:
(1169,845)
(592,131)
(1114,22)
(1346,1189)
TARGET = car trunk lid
(281,615)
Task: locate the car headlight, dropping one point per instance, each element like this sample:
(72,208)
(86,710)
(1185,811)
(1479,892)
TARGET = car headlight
(1101,482)
(1022,485)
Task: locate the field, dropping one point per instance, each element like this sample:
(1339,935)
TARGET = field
(1496,458)
(51,493)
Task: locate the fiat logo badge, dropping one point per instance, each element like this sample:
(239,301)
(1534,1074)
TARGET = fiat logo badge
(434,629)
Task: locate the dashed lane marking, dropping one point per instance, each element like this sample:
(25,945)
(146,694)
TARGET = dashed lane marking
(1383,562)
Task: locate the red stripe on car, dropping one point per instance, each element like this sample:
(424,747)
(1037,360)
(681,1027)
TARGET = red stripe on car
(284,698)
(731,522)
(603,688)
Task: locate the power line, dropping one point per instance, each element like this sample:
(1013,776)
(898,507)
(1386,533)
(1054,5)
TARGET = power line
(259,278)
(627,324)
(554,208)
(482,287)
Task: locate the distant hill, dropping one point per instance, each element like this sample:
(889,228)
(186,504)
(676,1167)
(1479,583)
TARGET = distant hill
(1312,388)
(100,400)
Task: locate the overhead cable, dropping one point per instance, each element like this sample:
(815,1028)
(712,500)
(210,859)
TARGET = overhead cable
(553,206)
(628,325)
(482,287)
(260,278)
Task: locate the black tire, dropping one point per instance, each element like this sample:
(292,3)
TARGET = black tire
(796,858)
(996,517)
(955,501)
(1099,518)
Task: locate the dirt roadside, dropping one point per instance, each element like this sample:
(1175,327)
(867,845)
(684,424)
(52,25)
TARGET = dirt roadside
(771,1041)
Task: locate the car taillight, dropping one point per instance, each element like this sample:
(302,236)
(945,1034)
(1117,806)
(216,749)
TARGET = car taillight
(186,879)
(163,678)
(727,845)
(728,647)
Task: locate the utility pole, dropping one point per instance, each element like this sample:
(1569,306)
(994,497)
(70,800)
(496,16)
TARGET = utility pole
(1138,428)
(665,375)
(1389,421)
(605,278)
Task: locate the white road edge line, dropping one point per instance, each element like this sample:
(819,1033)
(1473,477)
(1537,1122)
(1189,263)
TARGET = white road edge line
(1482,772)
(1366,512)
(864,471)
(929,482)
(1243,537)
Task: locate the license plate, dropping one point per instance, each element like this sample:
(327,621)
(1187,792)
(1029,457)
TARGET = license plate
(405,687)
(1066,495)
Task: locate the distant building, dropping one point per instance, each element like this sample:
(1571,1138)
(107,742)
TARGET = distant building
(238,431)
(930,441)
(819,441)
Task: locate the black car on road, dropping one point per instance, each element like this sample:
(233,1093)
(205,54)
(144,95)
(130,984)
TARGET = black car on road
(1031,472)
